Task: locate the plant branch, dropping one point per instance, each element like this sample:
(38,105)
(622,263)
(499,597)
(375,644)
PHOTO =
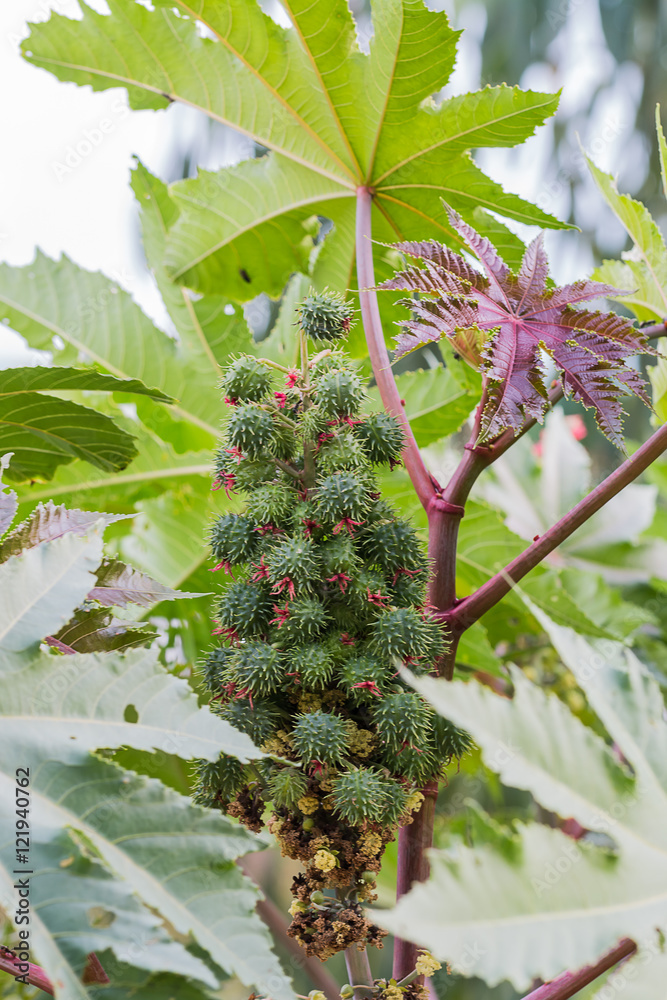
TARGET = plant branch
(359,971)
(413,842)
(35,975)
(316,972)
(377,349)
(569,983)
(470,609)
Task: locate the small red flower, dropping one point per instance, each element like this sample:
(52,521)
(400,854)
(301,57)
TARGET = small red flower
(346,524)
(235,453)
(223,565)
(342,579)
(369,686)
(282,614)
(278,587)
(268,529)
(317,767)
(281,399)
(231,401)
(261,572)
(377,599)
(309,525)
(228,633)
(293,377)
(347,640)
(404,572)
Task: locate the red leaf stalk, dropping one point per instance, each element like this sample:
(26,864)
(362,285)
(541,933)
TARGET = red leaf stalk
(570,983)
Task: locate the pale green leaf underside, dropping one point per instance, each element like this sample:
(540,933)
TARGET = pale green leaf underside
(79,702)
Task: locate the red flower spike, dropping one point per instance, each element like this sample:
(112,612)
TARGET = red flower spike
(282,614)
(261,572)
(235,453)
(369,686)
(223,565)
(310,526)
(293,377)
(342,579)
(346,524)
(278,587)
(377,599)
(404,572)
(317,767)
(227,633)
(347,640)
(321,438)
(281,399)
(502,322)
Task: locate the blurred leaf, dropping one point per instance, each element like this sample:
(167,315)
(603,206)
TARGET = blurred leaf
(119,585)
(96,630)
(48,522)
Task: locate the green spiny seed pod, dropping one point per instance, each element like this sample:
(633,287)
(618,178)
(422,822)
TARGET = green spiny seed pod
(381,438)
(418,763)
(287,786)
(284,443)
(368,591)
(233,539)
(339,394)
(259,667)
(271,504)
(365,679)
(313,423)
(451,743)
(402,719)
(325,315)
(305,618)
(320,736)
(259,720)
(408,588)
(214,667)
(295,561)
(339,556)
(359,796)
(393,545)
(340,453)
(314,663)
(342,495)
(247,473)
(395,802)
(328,361)
(403,633)
(246,608)
(250,430)
(217,781)
(246,380)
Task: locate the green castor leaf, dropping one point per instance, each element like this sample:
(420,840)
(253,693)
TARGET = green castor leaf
(364,679)
(325,316)
(218,781)
(246,608)
(340,394)
(402,719)
(258,666)
(321,736)
(246,380)
(342,495)
(380,437)
(272,504)
(233,539)
(287,786)
(250,430)
(214,666)
(393,545)
(405,634)
(259,720)
(359,796)
(314,664)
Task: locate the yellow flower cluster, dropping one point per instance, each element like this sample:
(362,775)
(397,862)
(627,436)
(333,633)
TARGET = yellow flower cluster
(297,907)
(279,744)
(309,702)
(324,860)
(426,965)
(370,842)
(414,802)
(360,741)
(308,804)
(392,992)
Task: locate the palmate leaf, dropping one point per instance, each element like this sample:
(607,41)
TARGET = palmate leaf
(517,318)
(555,904)
(331,117)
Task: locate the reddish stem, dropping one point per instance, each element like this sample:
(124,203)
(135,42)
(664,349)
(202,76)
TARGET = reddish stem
(470,609)
(413,842)
(377,349)
(10,963)
(569,983)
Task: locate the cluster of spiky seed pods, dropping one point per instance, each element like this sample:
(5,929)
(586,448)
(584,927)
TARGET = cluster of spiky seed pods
(326,603)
